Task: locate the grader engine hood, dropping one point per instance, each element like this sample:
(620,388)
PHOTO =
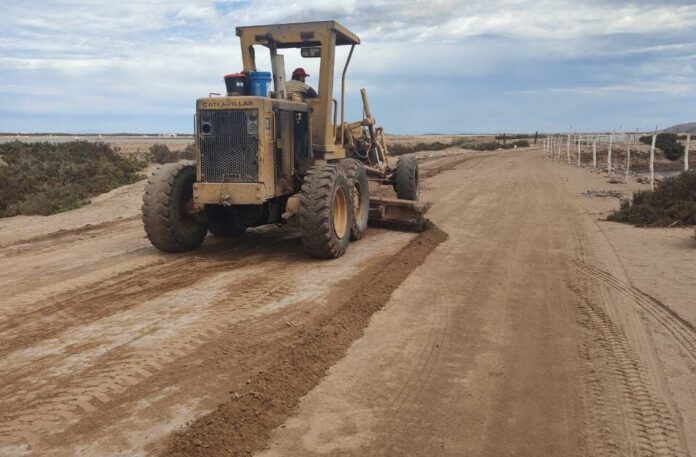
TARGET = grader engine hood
(231,134)
(237,143)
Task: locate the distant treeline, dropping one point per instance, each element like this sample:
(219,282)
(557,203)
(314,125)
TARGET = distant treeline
(173,135)
(463,143)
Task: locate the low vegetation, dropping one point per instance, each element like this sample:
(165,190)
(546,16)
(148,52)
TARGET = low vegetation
(667,143)
(514,136)
(160,153)
(493,145)
(673,202)
(464,143)
(44,178)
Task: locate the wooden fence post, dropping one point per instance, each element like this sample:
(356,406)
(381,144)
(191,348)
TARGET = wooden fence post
(544,148)
(568,148)
(551,152)
(558,146)
(579,151)
(628,159)
(611,140)
(652,162)
(686,152)
(594,153)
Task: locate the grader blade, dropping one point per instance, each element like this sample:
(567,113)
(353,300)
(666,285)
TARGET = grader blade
(396,214)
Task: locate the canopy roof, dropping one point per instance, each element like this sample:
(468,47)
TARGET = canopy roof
(298,35)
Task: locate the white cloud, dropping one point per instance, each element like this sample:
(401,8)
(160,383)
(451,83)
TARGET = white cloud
(143,56)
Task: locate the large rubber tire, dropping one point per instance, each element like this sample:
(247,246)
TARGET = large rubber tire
(406,179)
(224,222)
(325,211)
(168,224)
(360,194)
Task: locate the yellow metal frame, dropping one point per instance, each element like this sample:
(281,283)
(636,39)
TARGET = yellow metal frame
(325,34)
(267,187)
(245,193)
(213,193)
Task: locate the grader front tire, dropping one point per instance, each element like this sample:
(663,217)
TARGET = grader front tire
(360,194)
(406,180)
(168,198)
(325,211)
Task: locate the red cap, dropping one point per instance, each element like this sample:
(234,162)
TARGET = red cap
(299,72)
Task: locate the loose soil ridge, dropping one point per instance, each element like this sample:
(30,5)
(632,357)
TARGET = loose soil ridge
(243,424)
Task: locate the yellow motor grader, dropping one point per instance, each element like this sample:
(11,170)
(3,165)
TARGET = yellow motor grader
(274,156)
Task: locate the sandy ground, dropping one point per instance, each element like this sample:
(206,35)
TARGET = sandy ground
(524,325)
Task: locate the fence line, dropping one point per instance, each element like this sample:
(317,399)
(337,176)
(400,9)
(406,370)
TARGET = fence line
(553,145)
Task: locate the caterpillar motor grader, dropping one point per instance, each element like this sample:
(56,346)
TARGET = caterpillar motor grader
(275,157)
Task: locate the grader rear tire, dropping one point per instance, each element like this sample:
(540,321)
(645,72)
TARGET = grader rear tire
(406,180)
(360,194)
(325,211)
(167,200)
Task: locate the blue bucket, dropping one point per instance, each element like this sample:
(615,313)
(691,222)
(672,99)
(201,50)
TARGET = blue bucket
(259,82)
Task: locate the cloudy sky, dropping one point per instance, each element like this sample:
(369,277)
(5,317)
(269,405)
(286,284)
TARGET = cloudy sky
(429,66)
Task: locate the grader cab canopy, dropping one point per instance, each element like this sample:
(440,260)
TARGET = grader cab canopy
(324,36)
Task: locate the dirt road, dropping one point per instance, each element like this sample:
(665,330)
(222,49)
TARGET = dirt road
(514,329)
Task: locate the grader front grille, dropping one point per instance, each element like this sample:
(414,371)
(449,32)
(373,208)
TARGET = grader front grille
(229,152)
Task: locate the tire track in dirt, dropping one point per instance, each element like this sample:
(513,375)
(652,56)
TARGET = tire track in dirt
(116,365)
(655,430)
(55,405)
(682,331)
(429,379)
(428,356)
(243,424)
(76,354)
(39,315)
(397,413)
(19,247)
(630,413)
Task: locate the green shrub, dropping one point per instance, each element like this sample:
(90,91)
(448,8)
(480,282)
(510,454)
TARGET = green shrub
(514,144)
(400,149)
(670,146)
(487,146)
(160,153)
(461,142)
(672,203)
(43,178)
(666,142)
(189,152)
(647,139)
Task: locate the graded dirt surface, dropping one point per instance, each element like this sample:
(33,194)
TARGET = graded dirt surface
(521,324)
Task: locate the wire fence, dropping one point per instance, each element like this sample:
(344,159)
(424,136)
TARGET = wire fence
(616,153)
